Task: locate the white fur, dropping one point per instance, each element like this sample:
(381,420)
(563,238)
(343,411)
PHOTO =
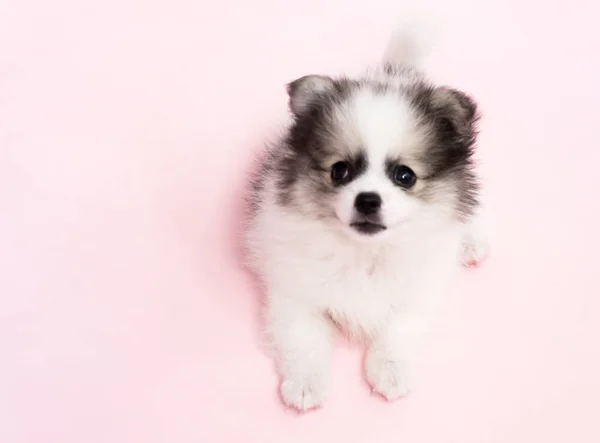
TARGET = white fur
(382,288)
(413,39)
(382,291)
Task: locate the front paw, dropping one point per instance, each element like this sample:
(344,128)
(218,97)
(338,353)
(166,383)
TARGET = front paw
(389,376)
(304,392)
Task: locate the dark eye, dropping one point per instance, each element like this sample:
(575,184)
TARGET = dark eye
(404,176)
(339,172)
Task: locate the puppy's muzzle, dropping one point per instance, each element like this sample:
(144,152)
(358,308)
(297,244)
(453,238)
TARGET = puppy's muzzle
(367,203)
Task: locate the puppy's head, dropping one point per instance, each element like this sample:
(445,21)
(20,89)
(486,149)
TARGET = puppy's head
(371,155)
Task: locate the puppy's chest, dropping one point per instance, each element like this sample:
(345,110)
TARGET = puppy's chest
(360,294)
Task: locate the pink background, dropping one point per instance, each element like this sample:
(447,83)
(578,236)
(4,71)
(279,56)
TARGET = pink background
(126,128)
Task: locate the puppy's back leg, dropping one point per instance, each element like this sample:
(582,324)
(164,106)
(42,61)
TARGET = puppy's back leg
(475,246)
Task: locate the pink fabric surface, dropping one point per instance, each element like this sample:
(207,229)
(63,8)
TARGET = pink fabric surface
(126,129)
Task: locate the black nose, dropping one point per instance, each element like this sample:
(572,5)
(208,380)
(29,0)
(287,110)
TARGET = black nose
(367,202)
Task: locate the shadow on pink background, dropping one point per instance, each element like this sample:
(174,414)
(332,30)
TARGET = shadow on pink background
(126,128)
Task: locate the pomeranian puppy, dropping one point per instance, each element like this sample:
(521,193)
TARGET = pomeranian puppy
(359,216)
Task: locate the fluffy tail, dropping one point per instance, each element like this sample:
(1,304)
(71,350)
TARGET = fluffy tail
(411,42)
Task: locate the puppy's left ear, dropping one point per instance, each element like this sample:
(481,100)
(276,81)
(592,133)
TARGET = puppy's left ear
(306,92)
(454,111)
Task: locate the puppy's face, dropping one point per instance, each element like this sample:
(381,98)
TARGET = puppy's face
(370,157)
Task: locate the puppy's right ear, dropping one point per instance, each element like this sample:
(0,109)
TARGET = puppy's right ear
(306,91)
